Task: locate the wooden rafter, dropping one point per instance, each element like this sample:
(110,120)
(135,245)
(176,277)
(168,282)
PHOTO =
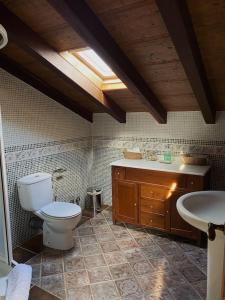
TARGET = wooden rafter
(83,20)
(21,34)
(178,22)
(16,70)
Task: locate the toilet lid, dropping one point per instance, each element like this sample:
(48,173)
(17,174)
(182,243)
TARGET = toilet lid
(61,210)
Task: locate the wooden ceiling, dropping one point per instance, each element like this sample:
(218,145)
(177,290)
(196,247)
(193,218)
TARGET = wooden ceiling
(140,31)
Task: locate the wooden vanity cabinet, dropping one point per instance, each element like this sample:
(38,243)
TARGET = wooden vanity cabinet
(148,198)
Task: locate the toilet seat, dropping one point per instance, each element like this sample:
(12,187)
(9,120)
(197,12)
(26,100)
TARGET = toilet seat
(61,210)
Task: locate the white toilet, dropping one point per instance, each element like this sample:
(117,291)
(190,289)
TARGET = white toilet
(60,218)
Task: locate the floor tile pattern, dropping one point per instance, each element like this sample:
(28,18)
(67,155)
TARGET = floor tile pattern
(122,262)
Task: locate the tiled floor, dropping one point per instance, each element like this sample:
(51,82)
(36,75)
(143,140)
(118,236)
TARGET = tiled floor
(121,262)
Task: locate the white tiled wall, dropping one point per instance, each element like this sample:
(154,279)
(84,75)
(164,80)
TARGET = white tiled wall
(180,125)
(40,135)
(30,117)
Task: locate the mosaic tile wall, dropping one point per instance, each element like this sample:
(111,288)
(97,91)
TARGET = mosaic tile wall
(40,135)
(184,132)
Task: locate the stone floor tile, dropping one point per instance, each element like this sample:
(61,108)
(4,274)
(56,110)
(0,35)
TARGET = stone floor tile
(104,291)
(193,274)
(51,255)
(186,247)
(52,283)
(109,247)
(91,249)
(61,294)
(122,234)
(116,257)
(105,237)
(138,233)
(162,295)
(97,222)
(128,287)
(79,293)
(152,251)
(74,252)
(121,271)
(134,255)
(34,260)
(85,222)
(144,241)
(142,267)
(94,261)
(36,271)
(118,227)
(88,239)
(51,268)
(159,237)
(172,277)
(103,229)
(199,258)
(201,288)
(184,292)
(152,282)
(134,297)
(160,264)
(170,248)
(74,263)
(127,244)
(85,231)
(99,274)
(76,279)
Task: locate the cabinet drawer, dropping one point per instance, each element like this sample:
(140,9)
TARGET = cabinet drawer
(194,182)
(154,192)
(156,177)
(152,206)
(153,220)
(118,173)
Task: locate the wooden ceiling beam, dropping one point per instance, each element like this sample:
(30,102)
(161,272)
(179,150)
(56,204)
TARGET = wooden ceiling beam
(22,35)
(178,22)
(83,20)
(16,70)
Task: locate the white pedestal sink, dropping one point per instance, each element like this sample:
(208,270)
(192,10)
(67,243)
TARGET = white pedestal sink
(199,209)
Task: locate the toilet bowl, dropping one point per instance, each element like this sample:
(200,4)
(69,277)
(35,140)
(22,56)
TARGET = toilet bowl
(60,218)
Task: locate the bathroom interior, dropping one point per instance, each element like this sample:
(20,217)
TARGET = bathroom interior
(112,150)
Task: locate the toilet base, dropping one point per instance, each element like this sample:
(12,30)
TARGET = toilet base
(57,240)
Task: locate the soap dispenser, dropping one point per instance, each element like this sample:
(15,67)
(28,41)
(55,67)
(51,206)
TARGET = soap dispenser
(167,157)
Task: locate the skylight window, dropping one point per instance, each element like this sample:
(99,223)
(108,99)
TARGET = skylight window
(91,58)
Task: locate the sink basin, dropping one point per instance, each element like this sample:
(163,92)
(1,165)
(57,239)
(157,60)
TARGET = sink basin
(199,209)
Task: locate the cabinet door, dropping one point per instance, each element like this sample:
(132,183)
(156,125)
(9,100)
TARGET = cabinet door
(125,204)
(178,225)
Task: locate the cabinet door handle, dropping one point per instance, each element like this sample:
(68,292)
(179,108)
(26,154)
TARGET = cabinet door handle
(191,182)
(135,204)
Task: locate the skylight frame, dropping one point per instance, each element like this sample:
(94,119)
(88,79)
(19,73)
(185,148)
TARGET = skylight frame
(92,63)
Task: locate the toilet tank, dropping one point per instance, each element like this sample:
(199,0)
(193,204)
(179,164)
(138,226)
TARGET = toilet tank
(35,191)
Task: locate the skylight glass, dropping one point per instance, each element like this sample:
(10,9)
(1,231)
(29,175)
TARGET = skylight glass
(96,63)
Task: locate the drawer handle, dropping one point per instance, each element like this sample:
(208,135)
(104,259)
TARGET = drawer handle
(191,182)
(135,204)
(118,173)
(151,221)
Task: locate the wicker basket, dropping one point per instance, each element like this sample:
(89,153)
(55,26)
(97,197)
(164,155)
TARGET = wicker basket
(193,159)
(132,155)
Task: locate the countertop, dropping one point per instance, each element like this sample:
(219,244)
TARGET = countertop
(174,167)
